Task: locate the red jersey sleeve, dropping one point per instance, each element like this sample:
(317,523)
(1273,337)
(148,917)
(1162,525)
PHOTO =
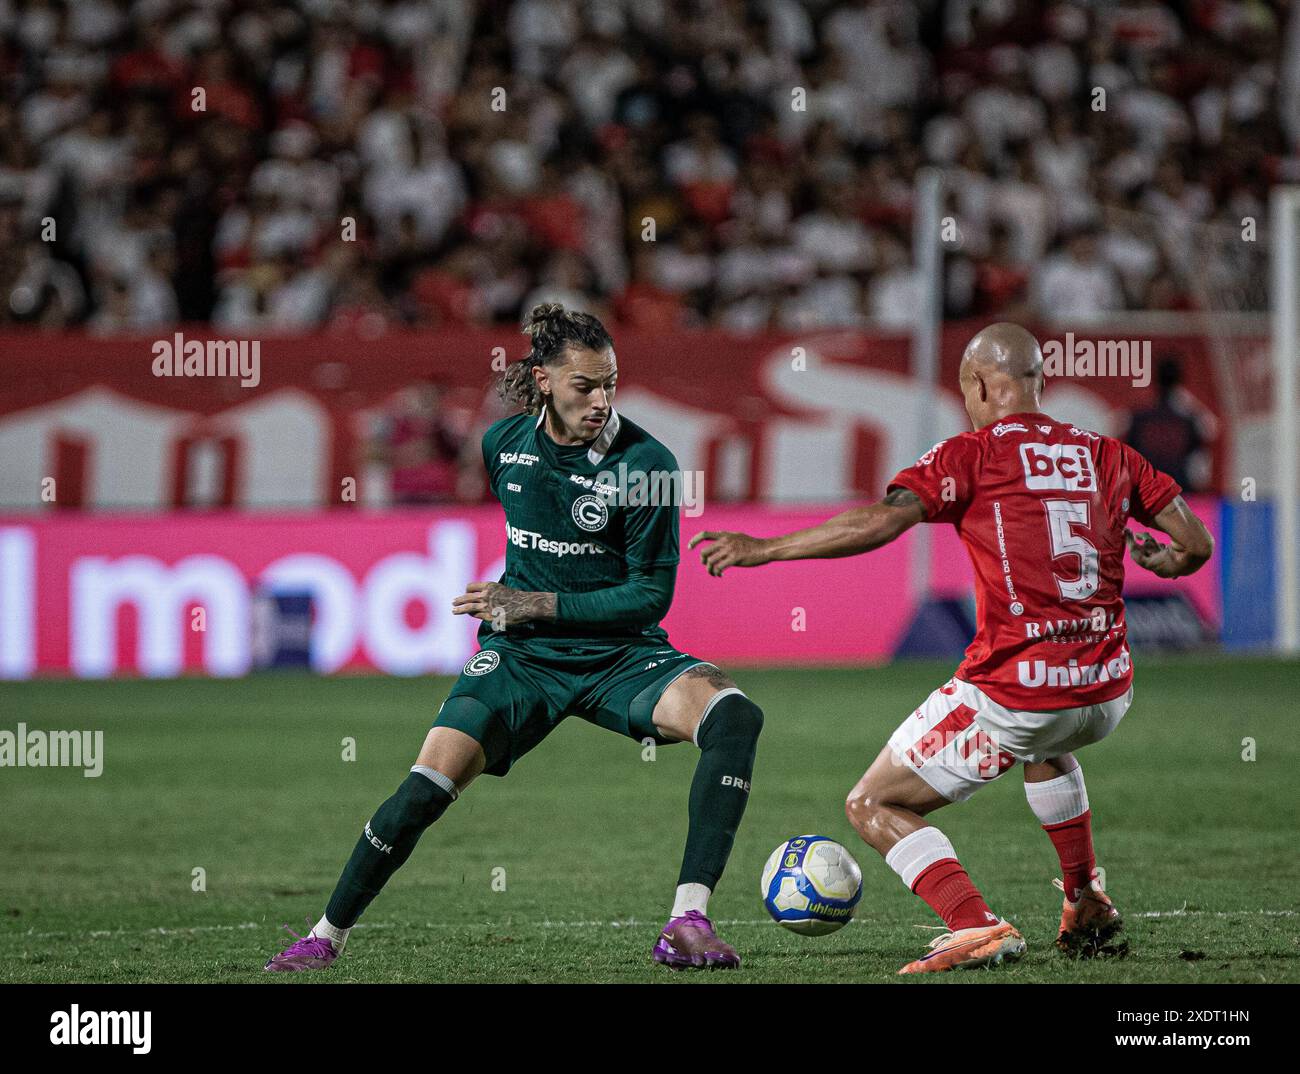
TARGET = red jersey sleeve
(943,478)
(1153,490)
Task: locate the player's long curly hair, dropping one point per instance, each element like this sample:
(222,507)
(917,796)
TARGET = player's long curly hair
(552,329)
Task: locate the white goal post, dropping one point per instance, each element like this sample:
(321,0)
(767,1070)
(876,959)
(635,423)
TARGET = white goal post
(927,257)
(1284,209)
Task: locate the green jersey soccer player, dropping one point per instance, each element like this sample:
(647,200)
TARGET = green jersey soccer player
(572,629)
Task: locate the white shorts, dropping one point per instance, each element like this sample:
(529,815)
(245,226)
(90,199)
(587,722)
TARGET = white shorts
(961,739)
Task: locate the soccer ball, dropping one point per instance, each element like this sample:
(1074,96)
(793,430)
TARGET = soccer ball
(811,885)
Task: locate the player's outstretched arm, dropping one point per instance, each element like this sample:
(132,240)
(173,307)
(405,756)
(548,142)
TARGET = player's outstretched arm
(1190,544)
(849,533)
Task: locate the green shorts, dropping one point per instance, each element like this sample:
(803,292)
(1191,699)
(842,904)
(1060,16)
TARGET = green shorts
(511,694)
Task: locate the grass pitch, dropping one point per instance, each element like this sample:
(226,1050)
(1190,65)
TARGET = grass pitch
(564,870)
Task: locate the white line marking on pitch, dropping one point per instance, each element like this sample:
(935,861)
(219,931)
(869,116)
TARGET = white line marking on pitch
(629,923)
(1217,913)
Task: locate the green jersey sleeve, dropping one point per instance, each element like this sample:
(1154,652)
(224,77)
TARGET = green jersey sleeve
(651,530)
(642,600)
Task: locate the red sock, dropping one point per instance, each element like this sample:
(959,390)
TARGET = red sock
(951,895)
(1073,842)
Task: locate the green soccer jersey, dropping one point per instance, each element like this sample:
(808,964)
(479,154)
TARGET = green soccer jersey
(581,517)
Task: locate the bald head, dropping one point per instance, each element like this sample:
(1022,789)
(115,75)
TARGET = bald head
(1001,373)
(1005,348)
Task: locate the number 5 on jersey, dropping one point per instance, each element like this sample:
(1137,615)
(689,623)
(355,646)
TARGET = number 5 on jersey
(1062,516)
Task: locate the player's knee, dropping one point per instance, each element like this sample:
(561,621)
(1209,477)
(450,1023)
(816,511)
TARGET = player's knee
(425,801)
(864,811)
(853,807)
(435,785)
(733,717)
(744,718)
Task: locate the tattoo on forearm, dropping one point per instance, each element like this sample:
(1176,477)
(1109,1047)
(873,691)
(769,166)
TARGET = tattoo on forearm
(511,606)
(901,498)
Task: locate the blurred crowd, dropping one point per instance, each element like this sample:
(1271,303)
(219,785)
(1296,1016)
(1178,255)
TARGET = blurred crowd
(422,445)
(745,164)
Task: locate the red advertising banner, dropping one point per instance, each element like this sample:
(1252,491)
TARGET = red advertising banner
(100,596)
(280,423)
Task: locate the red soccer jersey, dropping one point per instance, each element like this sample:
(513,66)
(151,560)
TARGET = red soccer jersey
(1041,507)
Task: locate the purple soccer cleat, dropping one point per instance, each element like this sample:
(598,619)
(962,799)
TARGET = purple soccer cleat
(305,953)
(689,942)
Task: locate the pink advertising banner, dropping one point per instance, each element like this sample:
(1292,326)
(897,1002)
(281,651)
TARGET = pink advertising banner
(96,596)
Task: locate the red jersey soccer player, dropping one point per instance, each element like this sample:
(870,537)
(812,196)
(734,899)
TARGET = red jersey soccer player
(1041,507)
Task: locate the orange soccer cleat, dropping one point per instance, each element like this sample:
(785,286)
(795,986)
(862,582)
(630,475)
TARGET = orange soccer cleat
(1089,925)
(968,948)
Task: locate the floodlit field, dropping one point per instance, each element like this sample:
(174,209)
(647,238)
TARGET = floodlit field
(244,780)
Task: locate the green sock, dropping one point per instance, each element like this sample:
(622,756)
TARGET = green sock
(387,842)
(728,739)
